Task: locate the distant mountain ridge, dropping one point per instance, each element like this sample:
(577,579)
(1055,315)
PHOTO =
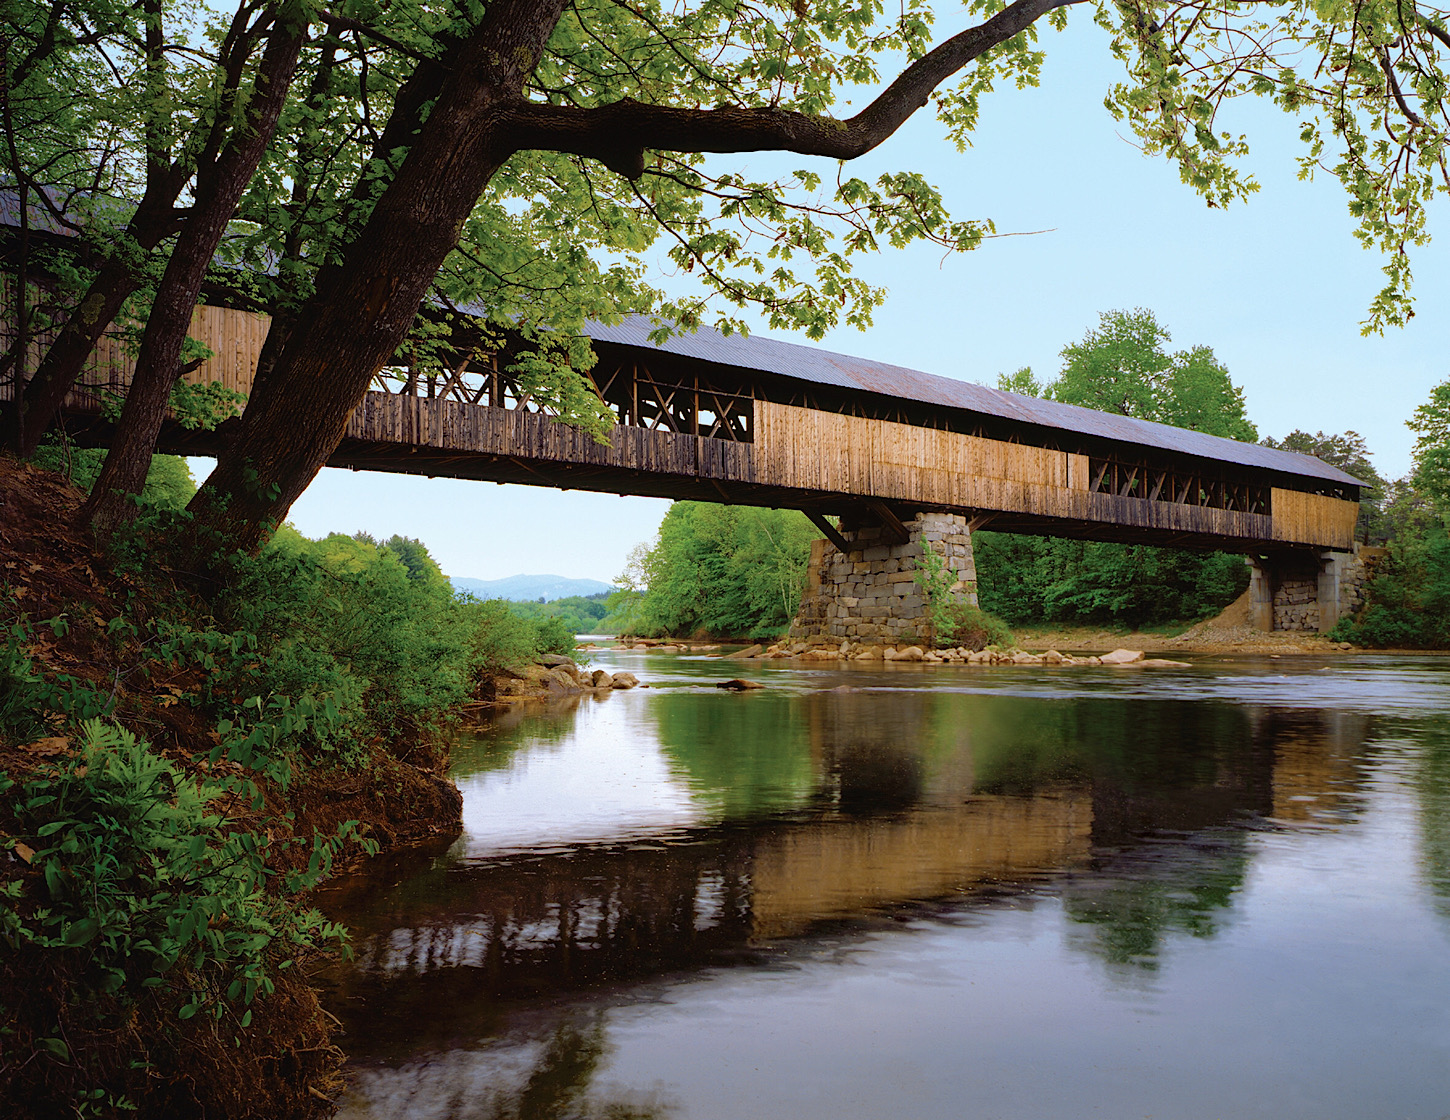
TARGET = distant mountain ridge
(522,588)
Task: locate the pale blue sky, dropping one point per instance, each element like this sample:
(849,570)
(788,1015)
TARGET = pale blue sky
(1277,287)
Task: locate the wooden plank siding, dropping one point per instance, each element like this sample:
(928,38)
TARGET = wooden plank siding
(451,426)
(799,448)
(1301,518)
(234,337)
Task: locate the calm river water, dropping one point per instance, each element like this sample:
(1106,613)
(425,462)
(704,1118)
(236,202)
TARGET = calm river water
(950,892)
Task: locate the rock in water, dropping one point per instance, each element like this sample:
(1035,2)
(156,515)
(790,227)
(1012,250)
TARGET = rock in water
(1122,657)
(558,661)
(739,685)
(601,679)
(748,651)
(624,680)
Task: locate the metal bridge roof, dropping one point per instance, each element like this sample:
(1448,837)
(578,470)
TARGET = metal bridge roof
(823,367)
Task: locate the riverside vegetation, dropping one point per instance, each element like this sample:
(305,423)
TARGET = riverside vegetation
(177,770)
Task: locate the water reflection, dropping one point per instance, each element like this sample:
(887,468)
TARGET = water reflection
(716,835)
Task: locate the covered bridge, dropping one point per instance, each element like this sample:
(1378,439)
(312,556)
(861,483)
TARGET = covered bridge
(893,453)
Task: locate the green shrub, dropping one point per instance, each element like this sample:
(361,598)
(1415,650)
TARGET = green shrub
(551,635)
(1408,600)
(974,628)
(139,876)
(498,638)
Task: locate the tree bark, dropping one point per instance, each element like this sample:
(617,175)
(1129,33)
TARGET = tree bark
(219,189)
(362,308)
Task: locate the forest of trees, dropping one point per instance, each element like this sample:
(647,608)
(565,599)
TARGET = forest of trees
(722,571)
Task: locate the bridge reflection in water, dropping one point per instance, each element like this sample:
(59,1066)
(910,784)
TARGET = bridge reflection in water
(859,809)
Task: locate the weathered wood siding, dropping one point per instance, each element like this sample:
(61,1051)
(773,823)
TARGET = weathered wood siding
(802,448)
(822,453)
(234,337)
(448,425)
(1301,518)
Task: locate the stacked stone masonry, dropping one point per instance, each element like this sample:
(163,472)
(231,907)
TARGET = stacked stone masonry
(871,594)
(1300,587)
(1296,603)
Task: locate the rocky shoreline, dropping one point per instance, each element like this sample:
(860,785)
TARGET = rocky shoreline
(960,655)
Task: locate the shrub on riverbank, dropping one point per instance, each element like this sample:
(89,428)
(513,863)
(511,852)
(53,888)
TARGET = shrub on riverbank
(722,571)
(1408,600)
(175,768)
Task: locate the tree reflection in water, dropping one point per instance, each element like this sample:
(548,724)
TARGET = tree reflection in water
(831,810)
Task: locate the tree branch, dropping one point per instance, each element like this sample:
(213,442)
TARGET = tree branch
(618,134)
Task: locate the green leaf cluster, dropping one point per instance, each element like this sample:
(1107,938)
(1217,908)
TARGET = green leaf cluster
(724,571)
(138,874)
(1124,367)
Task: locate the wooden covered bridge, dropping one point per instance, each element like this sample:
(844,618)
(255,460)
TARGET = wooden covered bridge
(893,453)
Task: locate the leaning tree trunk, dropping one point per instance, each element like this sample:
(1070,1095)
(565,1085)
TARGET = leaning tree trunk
(363,306)
(218,191)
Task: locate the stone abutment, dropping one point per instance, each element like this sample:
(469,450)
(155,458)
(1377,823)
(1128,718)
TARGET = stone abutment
(1308,591)
(871,593)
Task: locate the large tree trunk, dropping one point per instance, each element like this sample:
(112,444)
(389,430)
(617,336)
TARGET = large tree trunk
(363,306)
(219,189)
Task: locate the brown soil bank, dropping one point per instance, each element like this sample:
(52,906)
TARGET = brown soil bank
(1227,633)
(63,1056)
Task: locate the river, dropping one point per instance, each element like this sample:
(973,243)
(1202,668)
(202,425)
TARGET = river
(933,892)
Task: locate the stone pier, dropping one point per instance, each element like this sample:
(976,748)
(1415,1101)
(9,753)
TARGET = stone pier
(869,593)
(1307,591)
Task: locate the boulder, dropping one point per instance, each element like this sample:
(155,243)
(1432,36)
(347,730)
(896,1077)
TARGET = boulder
(748,651)
(1161,663)
(1052,657)
(601,679)
(932,655)
(738,684)
(821,655)
(1022,657)
(560,681)
(624,680)
(912,653)
(558,661)
(1121,657)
